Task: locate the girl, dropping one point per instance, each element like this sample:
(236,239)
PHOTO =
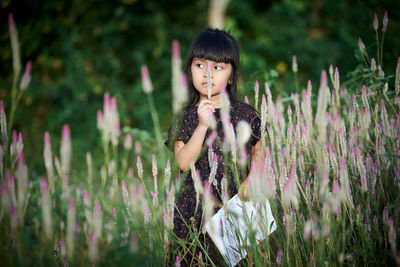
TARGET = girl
(213,52)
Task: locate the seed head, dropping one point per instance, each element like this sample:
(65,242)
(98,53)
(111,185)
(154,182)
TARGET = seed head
(26,78)
(146,82)
(294,64)
(361,45)
(385,22)
(376,22)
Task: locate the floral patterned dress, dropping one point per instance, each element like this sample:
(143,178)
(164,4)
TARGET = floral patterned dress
(184,214)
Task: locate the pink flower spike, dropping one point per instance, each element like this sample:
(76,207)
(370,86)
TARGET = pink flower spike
(373,64)
(43,186)
(324,80)
(376,22)
(383,105)
(324,176)
(128,141)
(146,82)
(183,81)
(177,262)
(86,198)
(294,64)
(20,140)
(46,138)
(361,45)
(114,213)
(175,48)
(26,77)
(342,163)
(14,136)
(106,101)
(20,159)
(267,90)
(10,179)
(11,22)
(99,115)
(66,132)
(138,147)
(123,185)
(113,104)
(336,186)
(385,22)
(246,99)
(97,207)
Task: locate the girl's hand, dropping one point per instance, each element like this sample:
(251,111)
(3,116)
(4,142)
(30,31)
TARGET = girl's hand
(204,112)
(243,191)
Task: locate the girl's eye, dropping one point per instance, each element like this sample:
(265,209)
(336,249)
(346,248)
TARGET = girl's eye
(199,65)
(218,67)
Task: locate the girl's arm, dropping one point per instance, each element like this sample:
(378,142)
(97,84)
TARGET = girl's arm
(184,153)
(256,155)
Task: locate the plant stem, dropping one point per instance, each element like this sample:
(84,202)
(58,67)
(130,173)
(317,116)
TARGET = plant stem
(156,124)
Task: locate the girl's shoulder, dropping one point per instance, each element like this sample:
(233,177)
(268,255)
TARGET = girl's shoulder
(190,110)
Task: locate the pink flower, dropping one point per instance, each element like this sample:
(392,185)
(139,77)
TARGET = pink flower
(175,49)
(86,199)
(128,142)
(294,64)
(177,262)
(3,123)
(385,21)
(65,150)
(114,212)
(26,78)
(146,82)
(376,22)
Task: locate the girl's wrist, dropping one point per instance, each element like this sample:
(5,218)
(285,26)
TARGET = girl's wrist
(202,127)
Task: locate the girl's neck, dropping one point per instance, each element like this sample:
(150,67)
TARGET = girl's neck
(215,100)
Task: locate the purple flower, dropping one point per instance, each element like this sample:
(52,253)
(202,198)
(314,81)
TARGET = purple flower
(385,22)
(376,22)
(26,78)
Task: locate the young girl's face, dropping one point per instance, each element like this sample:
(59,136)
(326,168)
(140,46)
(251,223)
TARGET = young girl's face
(220,74)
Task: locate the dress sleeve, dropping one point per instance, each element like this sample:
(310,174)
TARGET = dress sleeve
(179,131)
(255,125)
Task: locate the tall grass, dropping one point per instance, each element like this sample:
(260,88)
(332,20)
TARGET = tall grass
(331,172)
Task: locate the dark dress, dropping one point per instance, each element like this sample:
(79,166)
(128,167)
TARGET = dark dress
(186,200)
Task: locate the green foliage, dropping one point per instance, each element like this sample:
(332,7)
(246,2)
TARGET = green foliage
(81,50)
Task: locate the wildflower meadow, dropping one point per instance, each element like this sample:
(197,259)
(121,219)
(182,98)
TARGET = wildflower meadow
(331,173)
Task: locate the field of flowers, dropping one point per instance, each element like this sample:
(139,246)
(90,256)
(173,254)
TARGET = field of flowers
(331,173)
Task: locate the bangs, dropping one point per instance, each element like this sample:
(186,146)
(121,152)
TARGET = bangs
(213,47)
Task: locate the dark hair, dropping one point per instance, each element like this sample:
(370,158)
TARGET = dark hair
(219,46)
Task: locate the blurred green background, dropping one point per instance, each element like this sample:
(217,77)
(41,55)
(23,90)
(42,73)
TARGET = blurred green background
(82,49)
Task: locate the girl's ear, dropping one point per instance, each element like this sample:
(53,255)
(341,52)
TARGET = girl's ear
(230,82)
